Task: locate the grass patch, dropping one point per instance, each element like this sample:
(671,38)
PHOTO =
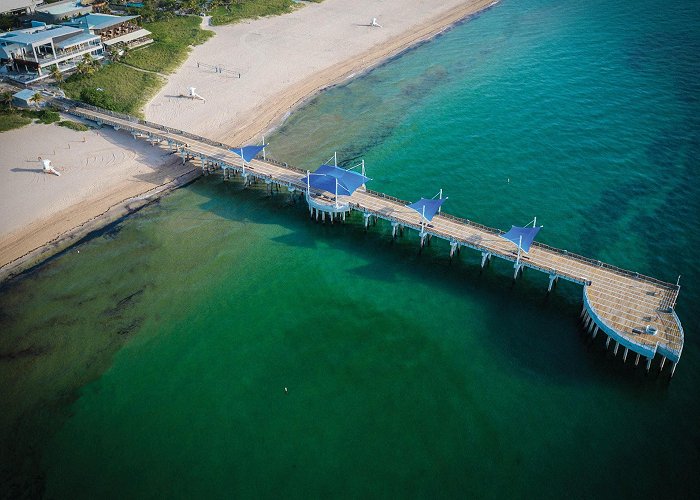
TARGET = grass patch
(124,89)
(17,118)
(73,125)
(172,40)
(10,120)
(46,116)
(249,9)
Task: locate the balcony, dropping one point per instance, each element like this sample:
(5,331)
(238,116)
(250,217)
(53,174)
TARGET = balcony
(44,60)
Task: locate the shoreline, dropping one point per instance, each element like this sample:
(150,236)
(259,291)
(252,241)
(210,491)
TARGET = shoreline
(36,243)
(76,234)
(266,119)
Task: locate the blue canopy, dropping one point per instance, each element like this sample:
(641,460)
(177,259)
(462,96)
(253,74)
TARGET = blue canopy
(248,152)
(326,176)
(431,207)
(526,233)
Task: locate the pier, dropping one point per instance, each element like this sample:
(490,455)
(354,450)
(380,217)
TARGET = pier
(635,313)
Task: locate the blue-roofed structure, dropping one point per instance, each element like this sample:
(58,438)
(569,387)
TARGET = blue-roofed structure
(39,35)
(335,180)
(59,11)
(76,40)
(522,236)
(23,98)
(248,152)
(31,54)
(634,311)
(114,30)
(427,208)
(100,21)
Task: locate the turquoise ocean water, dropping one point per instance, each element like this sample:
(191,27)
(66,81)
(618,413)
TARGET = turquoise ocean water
(151,361)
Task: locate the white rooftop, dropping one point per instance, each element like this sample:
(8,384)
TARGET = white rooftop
(38,35)
(25,94)
(61,7)
(75,40)
(128,37)
(100,21)
(12,5)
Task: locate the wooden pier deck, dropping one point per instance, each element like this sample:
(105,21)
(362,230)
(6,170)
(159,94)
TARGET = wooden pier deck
(635,311)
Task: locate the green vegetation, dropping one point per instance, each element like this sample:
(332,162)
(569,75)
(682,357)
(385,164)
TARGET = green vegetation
(87,65)
(226,11)
(123,89)
(10,120)
(73,125)
(8,22)
(119,87)
(46,116)
(172,39)
(36,99)
(233,11)
(127,84)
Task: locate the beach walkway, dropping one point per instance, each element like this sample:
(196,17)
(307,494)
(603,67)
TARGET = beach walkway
(635,312)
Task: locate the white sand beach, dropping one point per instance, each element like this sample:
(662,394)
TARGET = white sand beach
(99,169)
(282,61)
(285,59)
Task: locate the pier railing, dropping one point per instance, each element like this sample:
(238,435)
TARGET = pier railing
(162,128)
(543,246)
(459,220)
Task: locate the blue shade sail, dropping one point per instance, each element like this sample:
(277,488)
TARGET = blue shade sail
(431,207)
(526,233)
(247,152)
(326,176)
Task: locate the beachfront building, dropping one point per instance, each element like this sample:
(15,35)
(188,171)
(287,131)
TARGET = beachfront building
(31,54)
(18,7)
(60,11)
(114,31)
(24,98)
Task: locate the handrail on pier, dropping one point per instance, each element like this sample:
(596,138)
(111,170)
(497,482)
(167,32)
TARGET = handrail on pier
(476,225)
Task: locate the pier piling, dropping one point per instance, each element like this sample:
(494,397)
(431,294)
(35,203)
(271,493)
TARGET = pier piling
(628,307)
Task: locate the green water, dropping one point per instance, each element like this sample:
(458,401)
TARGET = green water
(152,360)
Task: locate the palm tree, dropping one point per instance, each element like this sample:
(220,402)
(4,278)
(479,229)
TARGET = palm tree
(113,54)
(36,99)
(81,67)
(95,63)
(56,74)
(6,100)
(191,6)
(86,66)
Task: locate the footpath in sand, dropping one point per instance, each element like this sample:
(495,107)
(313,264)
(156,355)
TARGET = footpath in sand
(282,61)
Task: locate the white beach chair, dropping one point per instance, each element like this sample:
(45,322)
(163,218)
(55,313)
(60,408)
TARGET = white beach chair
(48,169)
(194,95)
